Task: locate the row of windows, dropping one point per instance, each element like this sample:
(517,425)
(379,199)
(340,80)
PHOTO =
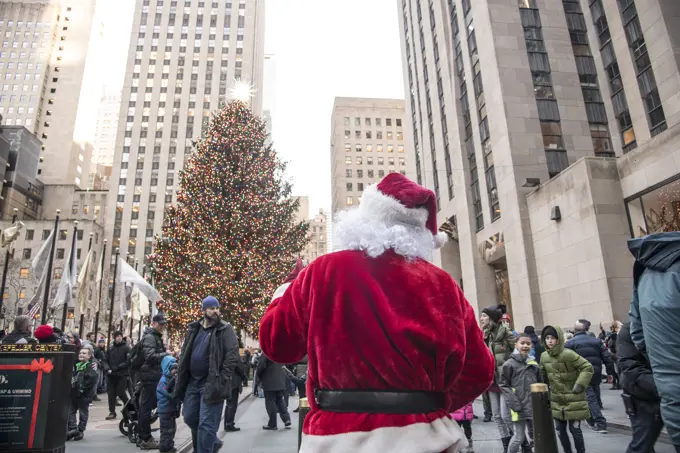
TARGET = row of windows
(60,254)
(380,160)
(618,95)
(62,235)
(645,75)
(548,112)
(370,173)
(369,148)
(378,135)
(368,121)
(595,111)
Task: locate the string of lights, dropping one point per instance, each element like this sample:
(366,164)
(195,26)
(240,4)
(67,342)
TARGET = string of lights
(232,233)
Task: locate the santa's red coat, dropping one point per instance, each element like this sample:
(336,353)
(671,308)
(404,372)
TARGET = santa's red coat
(382,323)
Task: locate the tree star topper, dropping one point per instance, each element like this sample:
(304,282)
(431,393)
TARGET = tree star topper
(241,91)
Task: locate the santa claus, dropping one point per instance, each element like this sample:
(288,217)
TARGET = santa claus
(393,345)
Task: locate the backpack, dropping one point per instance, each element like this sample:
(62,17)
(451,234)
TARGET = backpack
(136,357)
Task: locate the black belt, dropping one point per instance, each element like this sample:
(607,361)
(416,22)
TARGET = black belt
(379,402)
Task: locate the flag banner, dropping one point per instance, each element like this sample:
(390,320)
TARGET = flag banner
(39,269)
(125,300)
(128,274)
(9,235)
(140,304)
(81,296)
(100,267)
(68,278)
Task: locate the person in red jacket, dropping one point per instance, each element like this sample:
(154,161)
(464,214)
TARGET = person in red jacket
(393,345)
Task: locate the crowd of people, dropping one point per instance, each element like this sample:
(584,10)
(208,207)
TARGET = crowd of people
(203,382)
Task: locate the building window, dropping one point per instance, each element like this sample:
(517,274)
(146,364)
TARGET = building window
(63,234)
(60,254)
(27,254)
(348,147)
(348,173)
(349,187)
(29,235)
(347,134)
(369,148)
(346,121)
(348,160)
(349,201)
(360,187)
(359,160)
(358,148)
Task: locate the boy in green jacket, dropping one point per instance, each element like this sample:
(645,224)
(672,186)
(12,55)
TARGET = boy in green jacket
(568,375)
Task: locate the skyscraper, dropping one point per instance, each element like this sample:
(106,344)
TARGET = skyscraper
(367,142)
(184,57)
(45,47)
(549,132)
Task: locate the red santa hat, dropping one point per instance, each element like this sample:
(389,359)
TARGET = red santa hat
(397,200)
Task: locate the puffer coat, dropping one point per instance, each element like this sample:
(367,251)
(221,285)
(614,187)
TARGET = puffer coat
(464,413)
(501,341)
(517,375)
(562,368)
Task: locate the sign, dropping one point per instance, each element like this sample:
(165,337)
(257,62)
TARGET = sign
(23,381)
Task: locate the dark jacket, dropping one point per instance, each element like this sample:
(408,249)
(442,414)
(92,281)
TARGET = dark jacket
(593,350)
(270,375)
(18,338)
(517,375)
(116,359)
(655,317)
(167,403)
(239,375)
(635,371)
(224,358)
(562,368)
(84,380)
(153,351)
(536,347)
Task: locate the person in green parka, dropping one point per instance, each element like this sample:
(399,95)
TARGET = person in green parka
(501,341)
(568,375)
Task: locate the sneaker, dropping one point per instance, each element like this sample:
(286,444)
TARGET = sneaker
(270,428)
(600,430)
(71,434)
(150,444)
(78,436)
(487,418)
(111,416)
(288,424)
(590,424)
(231,429)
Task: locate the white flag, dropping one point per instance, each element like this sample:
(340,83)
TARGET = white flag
(140,304)
(82,281)
(100,268)
(128,274)
(68,278)
(10,234)
(39,269)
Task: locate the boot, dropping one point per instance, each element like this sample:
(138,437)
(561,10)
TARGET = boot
(487,418)
(470,448)
(149,444)
(111,416)
(506,443)
(71,434)
(78,436)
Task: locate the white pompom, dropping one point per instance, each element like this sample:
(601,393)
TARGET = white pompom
(440,239)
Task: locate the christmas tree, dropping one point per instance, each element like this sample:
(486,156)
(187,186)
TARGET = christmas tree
(232,233)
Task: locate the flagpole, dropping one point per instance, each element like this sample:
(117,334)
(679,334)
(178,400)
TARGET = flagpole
(82,315)
(101,281)
(70,268)
(113,296)
(48,280)
(8,255)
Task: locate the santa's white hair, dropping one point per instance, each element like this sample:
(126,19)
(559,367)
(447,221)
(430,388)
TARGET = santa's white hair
(381,223)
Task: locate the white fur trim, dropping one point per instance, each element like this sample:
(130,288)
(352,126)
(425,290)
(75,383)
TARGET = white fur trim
(280,291)
(440,435)
(381,223)
(440,239)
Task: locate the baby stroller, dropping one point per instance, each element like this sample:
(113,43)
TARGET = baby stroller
(129,425)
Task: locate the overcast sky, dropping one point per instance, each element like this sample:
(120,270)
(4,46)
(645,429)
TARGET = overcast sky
(324,49)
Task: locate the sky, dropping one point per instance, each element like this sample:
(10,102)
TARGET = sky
(322,49)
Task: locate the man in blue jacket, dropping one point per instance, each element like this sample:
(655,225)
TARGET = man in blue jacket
(594,351)
(655,318)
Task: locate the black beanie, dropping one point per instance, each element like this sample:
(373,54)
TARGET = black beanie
(493,313)
(549,330)
(529,330)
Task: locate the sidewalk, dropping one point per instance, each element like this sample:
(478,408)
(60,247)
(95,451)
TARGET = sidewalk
(104,435)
